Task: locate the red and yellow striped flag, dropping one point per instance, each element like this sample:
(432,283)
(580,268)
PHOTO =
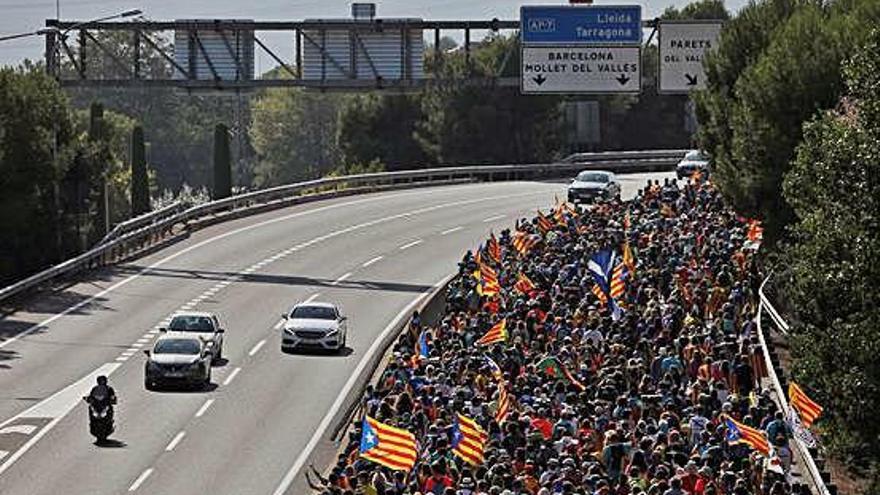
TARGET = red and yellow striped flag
(808,409)
(522,242)
(524,285)
(628,259)
(600,295)
(468,440)
(494,248)
(498,333)
(544,223)
(503,402)
(618,281)
(489,285)
(392,447)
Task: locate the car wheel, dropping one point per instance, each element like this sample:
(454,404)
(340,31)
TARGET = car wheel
(219,355)
(149,385)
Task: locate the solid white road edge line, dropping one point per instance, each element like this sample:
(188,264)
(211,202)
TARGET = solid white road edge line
(140,479)
(174,441)
(374,260)
(204,408)
(346,389)
(257,347)
(453,229)
(231,376)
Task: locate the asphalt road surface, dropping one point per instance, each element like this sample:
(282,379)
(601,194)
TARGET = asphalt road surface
(373,254)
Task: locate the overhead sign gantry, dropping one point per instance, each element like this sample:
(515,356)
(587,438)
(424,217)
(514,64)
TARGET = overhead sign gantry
(580,49)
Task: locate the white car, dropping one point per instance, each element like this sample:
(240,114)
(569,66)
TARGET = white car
(179,360)
(205,326)
(693,161)
(315,325)
(593,184)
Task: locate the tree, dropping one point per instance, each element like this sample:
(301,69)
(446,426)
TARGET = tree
(294,134)
(380,128)
(834,191)
(701,9)
(778,63)
(36,144)
(140,185)
(472,124)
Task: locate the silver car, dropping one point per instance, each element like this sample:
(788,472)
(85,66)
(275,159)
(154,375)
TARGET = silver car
(593,184)
(205,326)
(177,360)
(692,162)
(314,325)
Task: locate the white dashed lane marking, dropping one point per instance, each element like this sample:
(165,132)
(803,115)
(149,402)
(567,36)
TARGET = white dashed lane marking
(312,297)
(374,260)
(257,347)
(410,244)
(340,279)
(492,219)
(204,408)
(174,441)
(140,480)
(231,376)
(453,229)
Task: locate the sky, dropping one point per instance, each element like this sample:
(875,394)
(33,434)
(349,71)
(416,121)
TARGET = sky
(19,16)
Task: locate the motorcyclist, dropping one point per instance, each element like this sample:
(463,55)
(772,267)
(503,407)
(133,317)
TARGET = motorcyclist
(101,394)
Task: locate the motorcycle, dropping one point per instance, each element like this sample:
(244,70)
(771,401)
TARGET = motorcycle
(100,418)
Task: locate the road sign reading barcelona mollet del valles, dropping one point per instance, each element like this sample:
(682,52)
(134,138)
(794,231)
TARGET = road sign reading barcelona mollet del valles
(590,25)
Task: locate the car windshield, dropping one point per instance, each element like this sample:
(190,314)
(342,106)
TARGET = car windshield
(695,155)
(177,346)
(314,312)
(191,324)
(592,177)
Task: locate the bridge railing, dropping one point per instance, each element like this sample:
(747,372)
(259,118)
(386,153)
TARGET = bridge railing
(818,478)
(153,229)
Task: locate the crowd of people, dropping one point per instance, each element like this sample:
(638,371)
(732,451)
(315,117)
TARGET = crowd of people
(602,392)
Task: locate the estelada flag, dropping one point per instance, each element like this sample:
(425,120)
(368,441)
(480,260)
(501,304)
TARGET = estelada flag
(468,440)
(498,333)
(740,433)
(808,409)
(394,448)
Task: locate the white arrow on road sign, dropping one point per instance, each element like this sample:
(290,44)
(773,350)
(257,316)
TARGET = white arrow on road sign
(581,69)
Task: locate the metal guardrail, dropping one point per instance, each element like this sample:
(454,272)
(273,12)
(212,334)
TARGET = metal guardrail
(812,468)
(146,231)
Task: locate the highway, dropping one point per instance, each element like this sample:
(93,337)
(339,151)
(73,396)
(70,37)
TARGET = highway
(375,255)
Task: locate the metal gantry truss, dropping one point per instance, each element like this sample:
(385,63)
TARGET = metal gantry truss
(73,65)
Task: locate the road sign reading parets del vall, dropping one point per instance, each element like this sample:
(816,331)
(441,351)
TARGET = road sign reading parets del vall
(589,25)
(683,47)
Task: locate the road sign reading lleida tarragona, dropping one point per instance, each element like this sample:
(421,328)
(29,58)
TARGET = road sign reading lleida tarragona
(590,25)
(683,46)
(581,69)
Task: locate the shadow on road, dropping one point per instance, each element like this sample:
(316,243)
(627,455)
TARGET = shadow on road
(286,280)
(111,443)
(307,353)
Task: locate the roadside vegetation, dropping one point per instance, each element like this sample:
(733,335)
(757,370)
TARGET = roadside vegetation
(792,120)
